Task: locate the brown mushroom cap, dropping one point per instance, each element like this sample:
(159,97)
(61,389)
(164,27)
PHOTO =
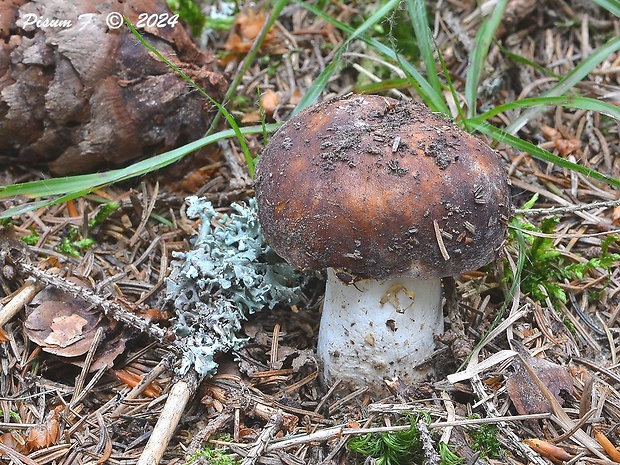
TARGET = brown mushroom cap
(381,188)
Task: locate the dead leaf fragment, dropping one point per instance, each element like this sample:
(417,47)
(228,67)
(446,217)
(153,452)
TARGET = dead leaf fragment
(40,323)
(609,448)
(524,392)
(65,326)
(548,450)
(270,101)
(245,30)
(567,146)
(46,434)
(66,330)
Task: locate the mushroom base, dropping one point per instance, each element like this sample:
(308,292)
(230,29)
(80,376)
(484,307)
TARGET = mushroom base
(376,330)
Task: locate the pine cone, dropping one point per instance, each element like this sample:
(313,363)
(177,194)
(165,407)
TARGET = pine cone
(80,95)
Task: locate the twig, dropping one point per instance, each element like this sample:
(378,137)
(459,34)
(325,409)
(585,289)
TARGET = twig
(273,426)
(104,445)
(568,208)
(88,362)
(241,178)
(203,435)
(146,380)
(346,399)
(582,421)
(342,430)
(507,433)
(23,297)
(451,411)
(442,247)
(164,429)
(110,308)
(431,456)
(146,213)
(16,456)
(611,374)
(595,220)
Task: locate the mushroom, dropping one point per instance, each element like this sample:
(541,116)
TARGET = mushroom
(389,198)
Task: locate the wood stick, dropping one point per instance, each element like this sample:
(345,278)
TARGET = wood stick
(23,297)
(164,429)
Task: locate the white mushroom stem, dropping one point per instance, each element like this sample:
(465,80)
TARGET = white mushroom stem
(375,330)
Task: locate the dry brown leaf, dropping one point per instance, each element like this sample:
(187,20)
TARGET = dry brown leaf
(246,28)
(66,330)
(524,393)
(66,326)
(45,435)
(38,327)
(13,440)
(269,101)
(567,146)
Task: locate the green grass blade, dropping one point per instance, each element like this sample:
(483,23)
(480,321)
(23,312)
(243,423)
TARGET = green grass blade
(580,103)
(231,121)
(570,80)
(250,57)
(419,21)
(432,98)
(613,6)
(373,19)
(313,92)
(521,60)
(542,154)
(478,58)
(319,84)
(382,86)
(75,186)
(27,207)
(455,96)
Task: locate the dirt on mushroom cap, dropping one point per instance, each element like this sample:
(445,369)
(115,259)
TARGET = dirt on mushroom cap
(381,187)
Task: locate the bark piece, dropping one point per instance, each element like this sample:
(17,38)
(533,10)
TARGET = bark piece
(87,97)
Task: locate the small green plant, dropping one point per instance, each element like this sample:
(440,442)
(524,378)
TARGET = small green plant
(189,12)
(73,244)
(399,447)
(545,267)
(13,414)
(484,440)
(391,448)
(106,210)
(214,456)
(448,456)
(31,239)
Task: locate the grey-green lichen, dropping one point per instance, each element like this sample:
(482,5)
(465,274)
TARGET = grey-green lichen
(229,273)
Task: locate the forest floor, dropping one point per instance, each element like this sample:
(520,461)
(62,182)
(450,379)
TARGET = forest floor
(67,405)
